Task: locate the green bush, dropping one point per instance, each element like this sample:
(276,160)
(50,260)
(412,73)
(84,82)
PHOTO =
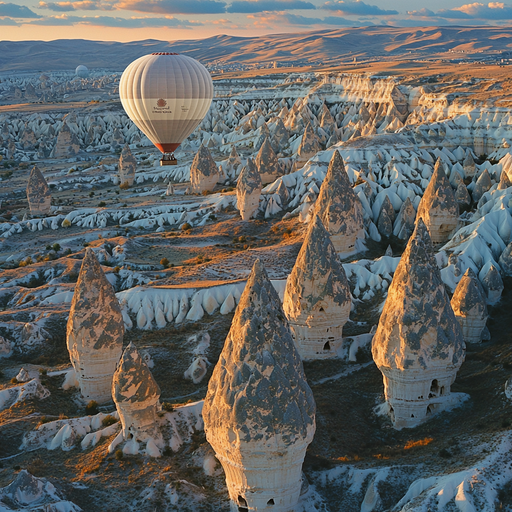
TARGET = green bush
(102,204)
(119,454)
(186,227)
(108,420)
(91,408)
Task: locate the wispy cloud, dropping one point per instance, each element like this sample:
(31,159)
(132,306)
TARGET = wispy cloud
(474,11)
(16,11)
(272,20)
(112,21)
(86,5)
(174,6)
(357,8)
(252,6)
(9,22)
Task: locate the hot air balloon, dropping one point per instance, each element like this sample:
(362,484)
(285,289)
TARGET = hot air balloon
(166,95)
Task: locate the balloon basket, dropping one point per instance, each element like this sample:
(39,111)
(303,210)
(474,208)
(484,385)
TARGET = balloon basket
(169,162)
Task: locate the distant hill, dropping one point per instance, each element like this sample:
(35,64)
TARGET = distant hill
(317,46)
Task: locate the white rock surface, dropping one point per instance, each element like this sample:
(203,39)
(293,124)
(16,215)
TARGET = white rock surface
(127,166)
(204,173)
(267,163)
(95,331)
(418,345)
(259,412)
(248,191)
(317,298)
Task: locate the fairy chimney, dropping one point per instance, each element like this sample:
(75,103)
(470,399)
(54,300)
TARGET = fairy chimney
(404,223)
(135,393)
(470,307)
(309,146)
(203,172)
(339,208)
(492,283)
(438,207)
(95,331)
(267,163)
(317,298)
(482,185)
(259,412)
(127,167)
(38,193)
(248,191)
(418,345)
(505,260)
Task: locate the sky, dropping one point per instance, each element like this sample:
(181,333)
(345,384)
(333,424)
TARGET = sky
(169,20)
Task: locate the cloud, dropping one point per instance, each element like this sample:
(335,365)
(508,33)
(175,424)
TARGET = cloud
(9,22)
(174,6)
(252,6)
(86,5)
(284,18)
(357,8)
(16,11)
(111,21)
(475,11)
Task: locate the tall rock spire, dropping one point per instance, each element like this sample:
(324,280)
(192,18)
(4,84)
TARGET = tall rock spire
(135,393)
(204,173)
(95,331)
(267,163)
(418,345)
(127,166)
(259,412)
(438,207)
(317,298)
(248,191)
(38,193)
(339,208)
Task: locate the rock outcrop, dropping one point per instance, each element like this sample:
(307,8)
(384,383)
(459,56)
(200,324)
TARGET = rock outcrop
(418,345)
(317,298)
(203,172)
(470,307)
(248,191)
(136,393)
(492,283)
(259,412)
(505,260)
(95,331)
(482,185)
(38,193)
(267,163)
(309,146)
(127,167)
(404,223)
(438,207)
(67,143)
(339,208)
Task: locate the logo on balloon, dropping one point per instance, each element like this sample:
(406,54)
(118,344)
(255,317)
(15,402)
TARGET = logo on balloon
(161,103)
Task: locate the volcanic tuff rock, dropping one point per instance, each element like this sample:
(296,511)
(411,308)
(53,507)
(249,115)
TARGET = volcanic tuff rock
(95,331)
(259,412)
(492,283)
(505,260)
(203,172)
(462,196)
(309,146)
(127,166)
(469,165)
(438,207)
(67,143)
(386,217)
(248,190)
(404,223)
(267,163)
(38,193)
(482,185)
(135,393)
(317,298)
(469,307)
(418,345)
(339,208)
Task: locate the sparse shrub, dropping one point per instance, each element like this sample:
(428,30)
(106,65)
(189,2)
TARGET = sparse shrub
(48,247)
(117,269)
(66,223)
(119,454)
(102,204)
(186,227)
(124,205)
(67,252)
(167,407)
(124,186)
(91,408)
(164,262)
(108,420)
(62,416)
(27,261)
(444,453)
(117,192)
(43,371)
(91,194)
(205,192)
(56,247)
(86,244)
(167,451)
(14,380)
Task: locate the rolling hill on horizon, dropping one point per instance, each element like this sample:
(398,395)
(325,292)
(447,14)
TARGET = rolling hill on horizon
(303,47)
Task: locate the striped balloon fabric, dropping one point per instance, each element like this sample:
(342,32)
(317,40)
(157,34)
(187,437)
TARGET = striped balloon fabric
(166,95)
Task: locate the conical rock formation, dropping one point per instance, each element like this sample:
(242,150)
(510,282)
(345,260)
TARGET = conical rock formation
(438,207)
(505,260)
(404,223)
(127,166)
(38,193)
(248,191)
(339,208)
(135,393)
(203,172)
(259,412)
(470,307)
(482,185)
(492,283)
(309,146)
(418,345)
(317,298)
(267,163)
(95,331)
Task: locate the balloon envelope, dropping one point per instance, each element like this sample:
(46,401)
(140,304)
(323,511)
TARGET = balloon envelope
(166,95)
(82,71)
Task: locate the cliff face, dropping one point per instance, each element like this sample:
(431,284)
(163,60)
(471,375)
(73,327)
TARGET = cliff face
(94,331)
